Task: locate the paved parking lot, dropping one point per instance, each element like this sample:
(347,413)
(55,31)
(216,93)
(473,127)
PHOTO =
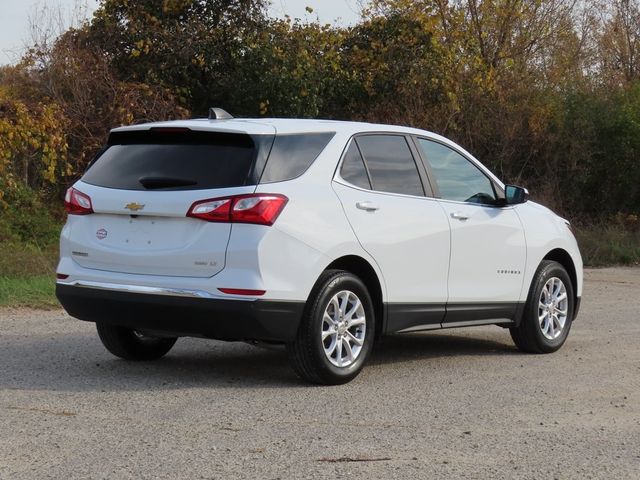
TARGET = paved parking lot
(454,404)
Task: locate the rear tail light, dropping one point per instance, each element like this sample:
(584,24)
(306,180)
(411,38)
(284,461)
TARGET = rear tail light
(242,291)
(257,208)
(77,203)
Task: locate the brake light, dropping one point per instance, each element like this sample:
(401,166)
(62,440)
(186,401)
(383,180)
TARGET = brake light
(256,208)
(170,129)
(77,203)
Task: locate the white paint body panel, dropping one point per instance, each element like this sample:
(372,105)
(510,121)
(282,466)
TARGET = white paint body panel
(408,242)
(545,231)
(409,239)
(487,249)
(159,240)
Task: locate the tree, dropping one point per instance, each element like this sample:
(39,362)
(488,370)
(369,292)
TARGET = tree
(398,69)
(33,148)
(186,45)
(619,41)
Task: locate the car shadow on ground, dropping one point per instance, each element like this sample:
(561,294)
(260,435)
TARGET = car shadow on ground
(78,362)
(424,346)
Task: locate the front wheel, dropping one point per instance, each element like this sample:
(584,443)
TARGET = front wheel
(337,330)
(131,344)
(548,313)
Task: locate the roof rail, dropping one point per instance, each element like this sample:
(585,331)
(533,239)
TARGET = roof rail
(219,114)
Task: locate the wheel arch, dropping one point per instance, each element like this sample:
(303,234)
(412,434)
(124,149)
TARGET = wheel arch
(564,258)
(363,270)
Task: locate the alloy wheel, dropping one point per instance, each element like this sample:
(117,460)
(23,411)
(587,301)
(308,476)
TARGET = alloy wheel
(553,308)
(344,328)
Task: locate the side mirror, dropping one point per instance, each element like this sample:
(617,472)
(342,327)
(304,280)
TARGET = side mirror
(515,195)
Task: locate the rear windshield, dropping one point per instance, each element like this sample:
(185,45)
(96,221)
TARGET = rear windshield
(179,159)
(173,161)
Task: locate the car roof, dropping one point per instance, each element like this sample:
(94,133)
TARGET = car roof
(256,126)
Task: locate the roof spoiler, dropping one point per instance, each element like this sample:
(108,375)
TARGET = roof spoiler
(219,114)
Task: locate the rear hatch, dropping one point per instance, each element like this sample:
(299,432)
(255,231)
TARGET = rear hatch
(141,188)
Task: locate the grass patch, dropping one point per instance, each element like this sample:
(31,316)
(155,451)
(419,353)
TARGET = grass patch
(37,291)
(26,259)
(29,232)
(27,275)
(603,245)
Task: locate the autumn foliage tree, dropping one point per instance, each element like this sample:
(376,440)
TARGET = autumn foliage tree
(33,145)
(545,92)
(189,46)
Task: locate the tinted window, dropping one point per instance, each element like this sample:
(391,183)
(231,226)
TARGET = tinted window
(457,178)
(390,164)
(292,155)
(353,170)
(185,161)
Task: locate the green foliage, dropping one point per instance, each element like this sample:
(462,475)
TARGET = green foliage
(186,45)
(595,157)
(289,69)
(545,92)
(32,291)
(610,243)
(398,70)
(33,148)
(27,259)
(27,219)
(29,233)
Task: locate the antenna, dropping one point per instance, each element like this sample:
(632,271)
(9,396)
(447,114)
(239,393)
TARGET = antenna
(219,114)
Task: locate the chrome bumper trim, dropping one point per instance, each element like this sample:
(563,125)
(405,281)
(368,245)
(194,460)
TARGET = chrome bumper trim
(172,292)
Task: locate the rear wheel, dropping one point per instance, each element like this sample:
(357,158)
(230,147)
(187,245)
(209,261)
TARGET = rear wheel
(548,313)
(131,344)
(337,330)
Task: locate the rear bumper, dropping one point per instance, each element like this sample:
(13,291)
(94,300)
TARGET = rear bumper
(222,319)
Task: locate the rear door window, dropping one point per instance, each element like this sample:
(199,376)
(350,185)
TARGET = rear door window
(173,161)
(390,164)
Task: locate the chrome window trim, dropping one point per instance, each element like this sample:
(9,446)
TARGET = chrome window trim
(342,181)
(472,204)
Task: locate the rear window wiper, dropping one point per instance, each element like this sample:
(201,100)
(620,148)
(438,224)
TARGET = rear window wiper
(165,182)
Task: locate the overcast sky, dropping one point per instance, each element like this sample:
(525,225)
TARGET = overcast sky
(14,19)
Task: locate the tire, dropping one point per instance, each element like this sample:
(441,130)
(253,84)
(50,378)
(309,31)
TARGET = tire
(542,328)
(131,345)
(311,355)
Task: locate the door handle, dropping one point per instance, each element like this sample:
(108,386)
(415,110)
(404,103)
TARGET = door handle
(460,216)
(367,206)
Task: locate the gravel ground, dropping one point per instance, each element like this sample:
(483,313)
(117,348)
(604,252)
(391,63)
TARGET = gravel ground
(454,404)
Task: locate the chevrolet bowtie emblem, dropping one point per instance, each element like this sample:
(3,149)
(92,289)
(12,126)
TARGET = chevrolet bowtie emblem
(134,207)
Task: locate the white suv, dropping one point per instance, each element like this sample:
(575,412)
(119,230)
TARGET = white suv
(320,235)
